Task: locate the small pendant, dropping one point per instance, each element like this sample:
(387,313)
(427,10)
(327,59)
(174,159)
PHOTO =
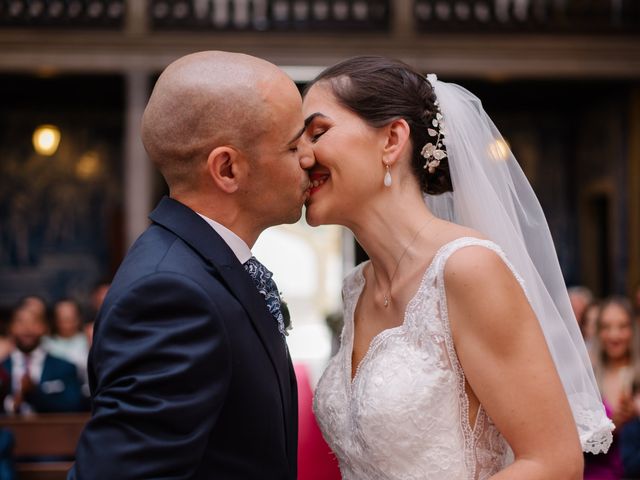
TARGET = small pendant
(387,178)
(386,301)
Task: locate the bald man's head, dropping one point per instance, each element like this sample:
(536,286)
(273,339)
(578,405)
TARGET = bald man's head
(205,100)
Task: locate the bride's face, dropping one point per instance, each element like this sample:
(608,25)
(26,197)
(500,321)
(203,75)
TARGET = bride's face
(348,152)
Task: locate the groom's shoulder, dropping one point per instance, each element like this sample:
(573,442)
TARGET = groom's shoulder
(159,251)
(158,247)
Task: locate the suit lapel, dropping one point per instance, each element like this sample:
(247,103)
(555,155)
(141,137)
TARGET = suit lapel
(46,366)
(193,230)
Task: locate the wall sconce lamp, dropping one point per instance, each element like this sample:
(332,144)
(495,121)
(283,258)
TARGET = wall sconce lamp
(46,139)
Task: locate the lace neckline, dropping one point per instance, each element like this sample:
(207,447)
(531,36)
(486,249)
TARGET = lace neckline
(381,336)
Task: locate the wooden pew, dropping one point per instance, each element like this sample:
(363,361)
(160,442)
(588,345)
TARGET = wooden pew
(45,435)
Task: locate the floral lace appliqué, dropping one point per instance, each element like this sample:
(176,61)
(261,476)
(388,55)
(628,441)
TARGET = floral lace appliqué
(405,414)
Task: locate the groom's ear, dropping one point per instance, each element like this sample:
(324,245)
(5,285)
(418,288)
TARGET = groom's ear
(396,138)
(225,165)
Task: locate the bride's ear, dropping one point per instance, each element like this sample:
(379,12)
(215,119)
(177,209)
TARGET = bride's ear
(397,138)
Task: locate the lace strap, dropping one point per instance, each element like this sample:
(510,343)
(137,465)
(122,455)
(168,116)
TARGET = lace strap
(353,281)
(470,436)
(351,288)
(455,245)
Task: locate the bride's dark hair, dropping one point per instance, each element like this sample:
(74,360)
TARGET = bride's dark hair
(380,90)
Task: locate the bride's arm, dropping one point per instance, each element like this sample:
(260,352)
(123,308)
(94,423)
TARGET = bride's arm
(508,366)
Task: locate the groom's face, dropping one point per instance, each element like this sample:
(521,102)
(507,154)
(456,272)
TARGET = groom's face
(278,180)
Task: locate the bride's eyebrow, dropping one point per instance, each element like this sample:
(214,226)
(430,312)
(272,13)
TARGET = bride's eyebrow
(312,117)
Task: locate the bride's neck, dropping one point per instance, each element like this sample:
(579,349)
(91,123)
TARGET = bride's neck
(389,229)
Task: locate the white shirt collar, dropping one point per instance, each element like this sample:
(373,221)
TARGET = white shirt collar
(36,355)
(36,363)
(235,243)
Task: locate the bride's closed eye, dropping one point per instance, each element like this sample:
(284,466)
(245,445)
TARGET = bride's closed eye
(317,124)
(316,134)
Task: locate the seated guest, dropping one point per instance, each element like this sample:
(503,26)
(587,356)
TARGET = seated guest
(97,295)
(580,297)
(88,331)
(6,347)
(39,382)
(5,386)
(617,357)
(68,340)
(588,324)
(97,299)
(36,304)
(630,438)
(615,363)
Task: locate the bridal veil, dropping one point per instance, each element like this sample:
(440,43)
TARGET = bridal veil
(492,195)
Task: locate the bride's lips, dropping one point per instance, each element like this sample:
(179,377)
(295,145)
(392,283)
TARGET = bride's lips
(317,179)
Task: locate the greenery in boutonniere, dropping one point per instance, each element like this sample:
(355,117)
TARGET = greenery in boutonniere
(284,308)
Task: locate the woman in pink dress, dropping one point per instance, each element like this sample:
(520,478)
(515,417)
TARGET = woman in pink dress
(616,358)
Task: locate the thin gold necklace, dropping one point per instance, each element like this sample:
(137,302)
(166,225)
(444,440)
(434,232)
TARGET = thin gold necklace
(387,295)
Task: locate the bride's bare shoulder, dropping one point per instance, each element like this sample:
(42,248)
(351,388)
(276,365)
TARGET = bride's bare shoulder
(473,262)
(452,231)
(478,272)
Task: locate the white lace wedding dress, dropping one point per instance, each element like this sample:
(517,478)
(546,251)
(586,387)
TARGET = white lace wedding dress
(405,415)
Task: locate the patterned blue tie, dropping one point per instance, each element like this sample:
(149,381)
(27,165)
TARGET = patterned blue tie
(262,277)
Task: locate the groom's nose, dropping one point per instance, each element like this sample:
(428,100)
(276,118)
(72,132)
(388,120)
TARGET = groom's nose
(307,158)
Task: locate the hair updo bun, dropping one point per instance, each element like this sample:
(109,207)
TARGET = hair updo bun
(380,90)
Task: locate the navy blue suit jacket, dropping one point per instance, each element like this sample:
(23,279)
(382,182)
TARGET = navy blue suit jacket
(189,376)
(630,448)
(59,389)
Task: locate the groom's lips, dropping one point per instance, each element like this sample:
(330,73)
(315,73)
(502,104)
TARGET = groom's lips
(317,179)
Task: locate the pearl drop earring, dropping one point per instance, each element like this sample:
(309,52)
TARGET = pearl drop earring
(387,176)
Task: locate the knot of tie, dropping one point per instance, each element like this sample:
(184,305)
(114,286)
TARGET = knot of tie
(263,279)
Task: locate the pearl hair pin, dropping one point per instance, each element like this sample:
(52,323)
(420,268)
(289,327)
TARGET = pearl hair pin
(435,152)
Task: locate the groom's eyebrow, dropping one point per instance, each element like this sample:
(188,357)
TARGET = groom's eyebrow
(298,135)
